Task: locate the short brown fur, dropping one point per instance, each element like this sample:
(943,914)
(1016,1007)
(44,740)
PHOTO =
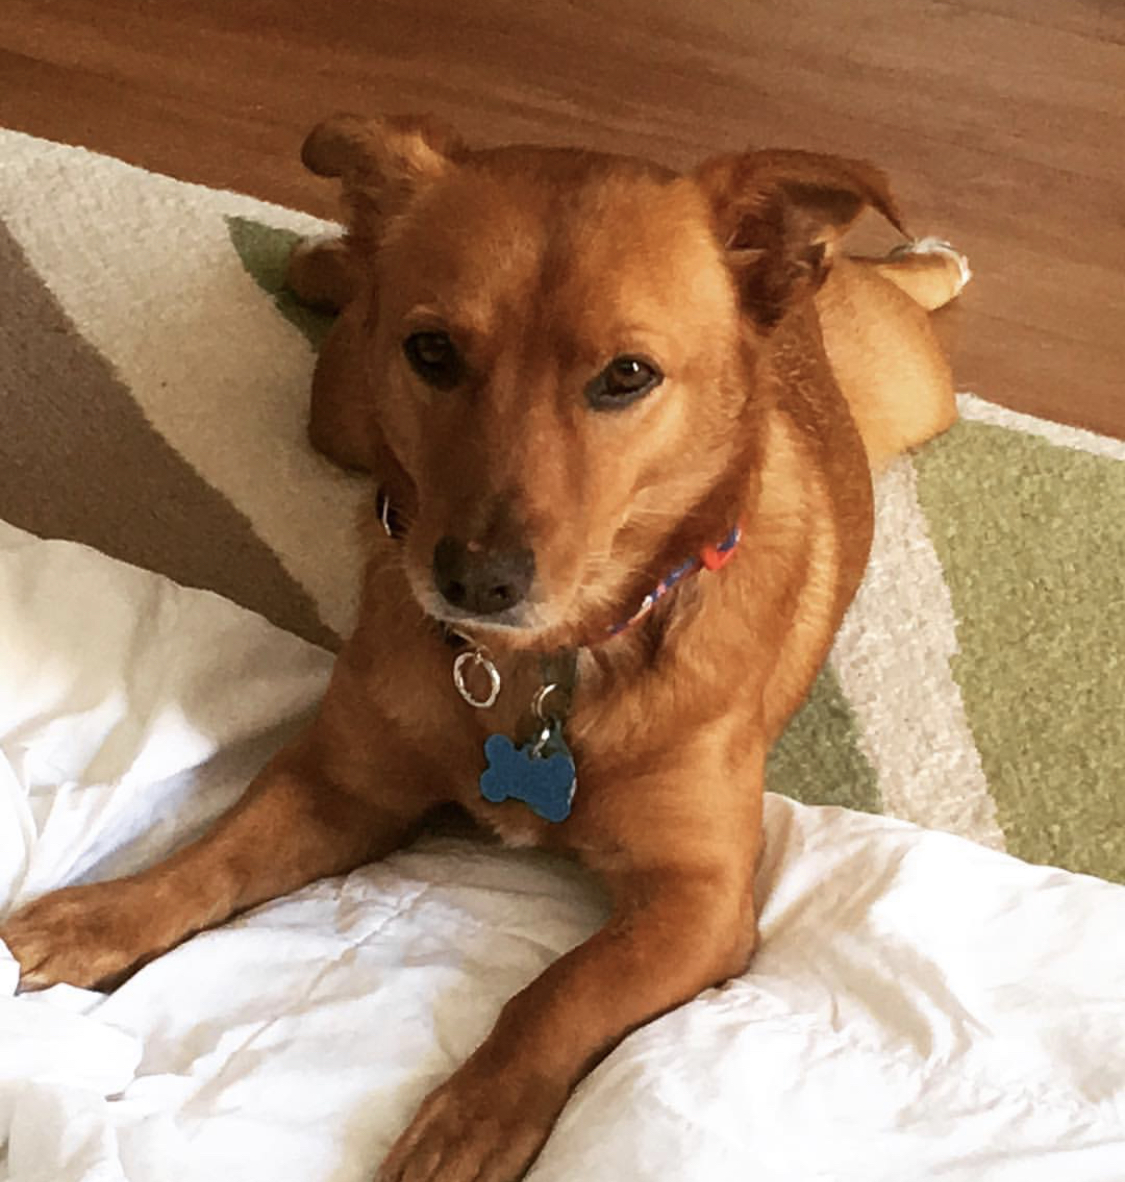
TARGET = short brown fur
(788,373)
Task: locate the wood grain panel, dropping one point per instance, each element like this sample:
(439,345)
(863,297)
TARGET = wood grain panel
(1002,122)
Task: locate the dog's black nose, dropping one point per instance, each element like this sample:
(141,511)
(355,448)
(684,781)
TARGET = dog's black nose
(481,581)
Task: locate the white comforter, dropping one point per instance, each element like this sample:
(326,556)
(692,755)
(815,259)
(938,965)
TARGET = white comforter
(921,1007)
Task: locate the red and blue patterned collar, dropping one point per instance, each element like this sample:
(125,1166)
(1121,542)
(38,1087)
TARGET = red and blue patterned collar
(711,558)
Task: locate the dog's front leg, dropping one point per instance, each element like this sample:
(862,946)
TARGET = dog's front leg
(290,828)
(673,932)
(326,803)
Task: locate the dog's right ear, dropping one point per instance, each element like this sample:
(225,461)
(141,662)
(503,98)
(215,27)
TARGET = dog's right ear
(381,162)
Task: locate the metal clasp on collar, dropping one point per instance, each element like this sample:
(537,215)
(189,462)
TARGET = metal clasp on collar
(384,506)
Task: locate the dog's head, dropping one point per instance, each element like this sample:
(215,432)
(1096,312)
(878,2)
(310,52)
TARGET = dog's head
(565,350)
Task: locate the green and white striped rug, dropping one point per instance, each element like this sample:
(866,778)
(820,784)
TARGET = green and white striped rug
(978,684)
(153,386)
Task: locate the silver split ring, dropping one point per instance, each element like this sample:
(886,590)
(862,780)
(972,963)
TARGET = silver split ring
(479,660)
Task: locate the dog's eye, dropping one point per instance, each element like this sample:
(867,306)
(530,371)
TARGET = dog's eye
(622,382)
(434,358)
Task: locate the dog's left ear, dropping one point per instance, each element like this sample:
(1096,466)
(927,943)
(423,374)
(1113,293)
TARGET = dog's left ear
(778,215)
(386,152)
(381,162)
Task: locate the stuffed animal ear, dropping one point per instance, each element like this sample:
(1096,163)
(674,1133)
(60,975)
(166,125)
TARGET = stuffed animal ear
(381,162)
(778,215)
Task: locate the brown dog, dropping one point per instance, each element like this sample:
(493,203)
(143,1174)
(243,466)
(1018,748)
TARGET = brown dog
(584,384)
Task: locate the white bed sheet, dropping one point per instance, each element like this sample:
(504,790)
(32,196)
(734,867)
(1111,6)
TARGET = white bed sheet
(921,1007)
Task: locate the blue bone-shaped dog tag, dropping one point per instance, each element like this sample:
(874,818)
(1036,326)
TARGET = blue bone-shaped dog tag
(540,774)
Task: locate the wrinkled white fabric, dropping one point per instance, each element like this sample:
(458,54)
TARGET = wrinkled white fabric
(921,1007)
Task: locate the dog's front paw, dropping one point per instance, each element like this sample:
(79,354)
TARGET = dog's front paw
(474,1129)
(88,935)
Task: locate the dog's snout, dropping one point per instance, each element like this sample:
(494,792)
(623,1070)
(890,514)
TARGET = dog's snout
(483,582)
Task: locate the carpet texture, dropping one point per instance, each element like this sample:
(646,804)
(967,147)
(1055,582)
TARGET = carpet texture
(153,390)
